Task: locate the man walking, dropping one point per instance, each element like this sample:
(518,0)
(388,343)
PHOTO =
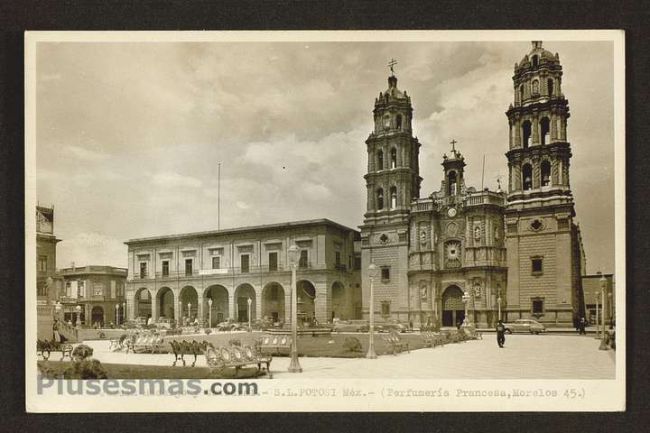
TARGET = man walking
(501,334)
(581,326)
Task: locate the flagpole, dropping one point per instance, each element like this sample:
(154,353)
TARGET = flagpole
(219,196)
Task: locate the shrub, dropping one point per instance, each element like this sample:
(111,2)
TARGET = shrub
(352,344)
(86,369)
(208,331)
(102,335)
(82,352)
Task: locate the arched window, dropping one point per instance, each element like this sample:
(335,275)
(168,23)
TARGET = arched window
(545,130)
(380,160)
(398,122)
(521,93)
(535,87)
(526,134)
(527,173)
(393,158)
(535,61)
(452,183)
(550,86)
(380,199)
(546,173)
(393,197)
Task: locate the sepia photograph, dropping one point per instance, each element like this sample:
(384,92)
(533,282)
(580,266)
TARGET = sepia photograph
(385,221)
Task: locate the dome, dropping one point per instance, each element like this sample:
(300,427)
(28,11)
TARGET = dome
(393,92)
(544,56)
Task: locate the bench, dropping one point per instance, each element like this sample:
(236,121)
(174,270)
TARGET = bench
(145,343)
(182,348)
(432,339)
(395,343)
(118,344)
(274,344)
(237,357)
(44,348)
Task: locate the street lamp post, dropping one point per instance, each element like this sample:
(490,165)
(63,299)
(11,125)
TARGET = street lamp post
(250,301)
(466,298)
(597,316)
(209,312)
(499,305)
(372,273)
(189,312)
(603,287)
(294,366)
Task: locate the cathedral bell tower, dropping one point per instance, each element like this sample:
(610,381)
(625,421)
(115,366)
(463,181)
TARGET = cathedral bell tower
(392,182)
(543,240)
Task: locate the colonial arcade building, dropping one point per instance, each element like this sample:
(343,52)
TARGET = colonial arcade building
(234,274)
(461,249)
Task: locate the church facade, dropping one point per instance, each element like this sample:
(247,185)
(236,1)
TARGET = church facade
(465,255)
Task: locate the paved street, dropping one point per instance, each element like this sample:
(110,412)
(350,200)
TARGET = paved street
(523,357)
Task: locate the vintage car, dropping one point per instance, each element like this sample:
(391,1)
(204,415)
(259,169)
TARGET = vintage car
(350,326)
(524,325)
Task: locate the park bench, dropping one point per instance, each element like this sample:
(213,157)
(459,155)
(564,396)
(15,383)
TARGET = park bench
(395,343)
(44,348)
(182,348)
(275,344)
(146,344)
(432,339)
(237,357)
(117,344)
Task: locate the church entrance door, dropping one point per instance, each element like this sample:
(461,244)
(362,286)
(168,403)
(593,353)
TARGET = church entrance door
(453,310)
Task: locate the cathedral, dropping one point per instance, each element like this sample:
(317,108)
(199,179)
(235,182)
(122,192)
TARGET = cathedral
(465,255)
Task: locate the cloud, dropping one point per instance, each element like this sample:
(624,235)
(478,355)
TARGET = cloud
(85,154)
(92,248)
(175,180)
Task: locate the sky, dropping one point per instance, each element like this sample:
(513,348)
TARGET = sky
(129,135)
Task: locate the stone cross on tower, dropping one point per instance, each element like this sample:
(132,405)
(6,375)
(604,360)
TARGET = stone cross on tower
(391,64)
(453,145)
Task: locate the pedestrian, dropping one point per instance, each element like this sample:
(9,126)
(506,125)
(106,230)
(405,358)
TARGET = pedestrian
(582,325)
(55,331)
(501,333)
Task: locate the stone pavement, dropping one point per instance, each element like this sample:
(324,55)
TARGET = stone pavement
(523,357)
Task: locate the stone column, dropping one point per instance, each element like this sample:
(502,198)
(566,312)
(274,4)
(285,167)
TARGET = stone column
(535,131)
(231,305)
(287,304)
(322,303)
(258,303)
(154,307)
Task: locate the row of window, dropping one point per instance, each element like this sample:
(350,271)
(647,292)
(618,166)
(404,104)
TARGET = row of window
(244,259)
(393,159)
(393,198)
(534,88)
(527,175)
(545,132)
(77,289)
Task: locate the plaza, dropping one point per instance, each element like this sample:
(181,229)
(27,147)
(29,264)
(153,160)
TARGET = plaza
(523,357)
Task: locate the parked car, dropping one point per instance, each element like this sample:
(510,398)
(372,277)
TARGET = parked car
(164,323)
(394,325)
(350,326)
(525,325)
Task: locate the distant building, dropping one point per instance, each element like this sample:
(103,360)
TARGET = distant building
(592,286)
(47,283)
(175,276)
(98,290)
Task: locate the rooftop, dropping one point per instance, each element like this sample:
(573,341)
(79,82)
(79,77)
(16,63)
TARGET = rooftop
(264,227)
